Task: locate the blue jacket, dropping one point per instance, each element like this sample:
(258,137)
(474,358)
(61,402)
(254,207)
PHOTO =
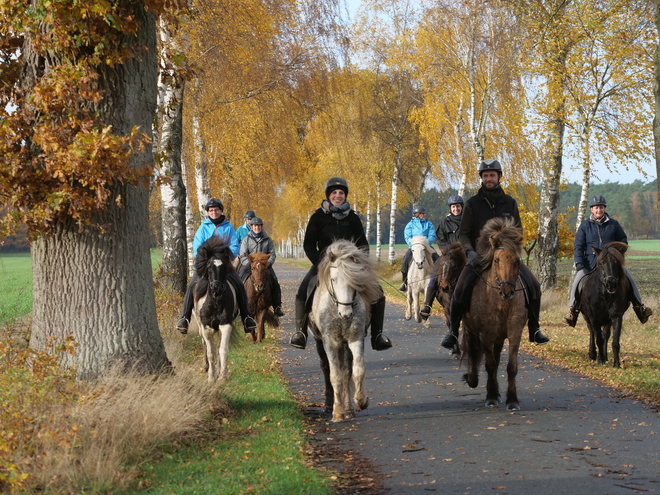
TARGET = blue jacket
(417,226)
(208,230)
(592,234)
(242,232)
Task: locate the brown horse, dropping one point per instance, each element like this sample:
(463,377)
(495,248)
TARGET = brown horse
(448,267)
(604,299)
(259,288)
(497,311)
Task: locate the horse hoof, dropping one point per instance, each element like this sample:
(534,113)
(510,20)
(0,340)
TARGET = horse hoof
(361,406)
(407,317)
(337,418)
(513,406)
(492,403)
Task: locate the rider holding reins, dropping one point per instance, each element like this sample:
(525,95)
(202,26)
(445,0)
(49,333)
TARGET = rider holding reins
(490,201)
(418,225)
(332,221)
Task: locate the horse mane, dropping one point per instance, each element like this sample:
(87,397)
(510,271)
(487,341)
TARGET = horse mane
(498,233)
(214,247)
(616,249)
(428,250)
(358,266)
(259,257)
(455,253)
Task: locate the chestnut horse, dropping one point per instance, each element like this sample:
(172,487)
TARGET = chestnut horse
(604,299)
(497,310)
(448,268)
(259,288)
(347,287)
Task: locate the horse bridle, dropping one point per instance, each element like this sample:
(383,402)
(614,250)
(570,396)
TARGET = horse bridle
(500,283)
(452,283)
(255,281)
(337,302)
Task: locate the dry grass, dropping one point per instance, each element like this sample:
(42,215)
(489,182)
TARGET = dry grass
(639,374)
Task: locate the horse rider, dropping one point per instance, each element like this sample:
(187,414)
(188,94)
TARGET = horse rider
(244,229)
(257,241)
(418,225)
(332,221)
(446,234)
(596,231)
(490,201)
(216,224)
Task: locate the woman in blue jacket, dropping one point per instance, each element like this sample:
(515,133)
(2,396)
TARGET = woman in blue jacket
(596,231)
(216,224)
(418,225)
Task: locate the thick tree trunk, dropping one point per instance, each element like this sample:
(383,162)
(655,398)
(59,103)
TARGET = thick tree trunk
(94,286)
(172,191)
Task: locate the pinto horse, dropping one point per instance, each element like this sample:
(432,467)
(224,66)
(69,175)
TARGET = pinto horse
(215,304)
(347,287)
(497,310)
(604,299)
(419,274)
(448,268)
(259,288)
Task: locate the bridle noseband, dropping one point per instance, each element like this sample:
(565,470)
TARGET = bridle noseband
(331,291)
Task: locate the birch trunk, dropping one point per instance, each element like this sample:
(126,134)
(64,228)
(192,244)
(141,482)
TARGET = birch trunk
(395,194)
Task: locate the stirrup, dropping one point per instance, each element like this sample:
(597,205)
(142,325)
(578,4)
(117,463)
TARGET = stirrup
(572,320)
(182,325)
(278,311)
(298,340)
(643,313)
(539,338)
(425,312)
(403,287)
(380,342)
(450,341)
(249,324)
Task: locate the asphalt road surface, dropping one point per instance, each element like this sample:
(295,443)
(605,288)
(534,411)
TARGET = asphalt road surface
(426,431)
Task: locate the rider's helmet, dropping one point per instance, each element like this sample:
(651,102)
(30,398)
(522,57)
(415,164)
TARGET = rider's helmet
(256,221)
(490,164)
(455,199)
(418,209)
(214,203)
(336,183)
(598,200)
(249,214)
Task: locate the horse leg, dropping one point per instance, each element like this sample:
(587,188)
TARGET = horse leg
(474,353)
(409,296)
(336,381)
(616,340)
(359,396)
(325,368)
(418,317)
(606,339)
(512,402)
(492,387)
(347,388)
(600,344)
(207,335)
(224,335)
(592,342)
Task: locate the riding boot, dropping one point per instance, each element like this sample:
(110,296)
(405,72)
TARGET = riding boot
(429,296)
(643,313)
(186,311)
(379,342)
(299,339)
(450,340)
(241,298)
(405,263)
(535,334)
(571,321)
(277,298)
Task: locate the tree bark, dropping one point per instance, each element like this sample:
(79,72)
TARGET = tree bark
(395,193)
(97,286)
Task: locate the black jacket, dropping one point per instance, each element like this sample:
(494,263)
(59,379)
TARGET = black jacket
(478,210)
(592,234)
(323,229)
(447,231)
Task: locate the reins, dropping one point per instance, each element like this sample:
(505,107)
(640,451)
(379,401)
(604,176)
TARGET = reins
(331,291)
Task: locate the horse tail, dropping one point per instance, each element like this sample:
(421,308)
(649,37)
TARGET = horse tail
(272,320)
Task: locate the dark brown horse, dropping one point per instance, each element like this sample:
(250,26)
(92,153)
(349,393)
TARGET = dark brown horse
(259,288)
(604,299)
(448,267)
(497,311)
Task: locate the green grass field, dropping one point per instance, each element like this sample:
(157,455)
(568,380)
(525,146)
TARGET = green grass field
(16,286)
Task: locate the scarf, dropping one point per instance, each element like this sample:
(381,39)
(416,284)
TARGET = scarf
(601,220)
(257,236)
(339,212)
(493,197)
(217,221)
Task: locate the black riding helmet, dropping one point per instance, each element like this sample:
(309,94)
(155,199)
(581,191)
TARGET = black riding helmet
(336,183)
(490,164)
(214,203)
(418,209)
(256,221)
(598,200)
(455,199)
(249,214)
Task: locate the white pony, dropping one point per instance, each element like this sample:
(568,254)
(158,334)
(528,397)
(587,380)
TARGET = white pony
(419,274)
(347,287)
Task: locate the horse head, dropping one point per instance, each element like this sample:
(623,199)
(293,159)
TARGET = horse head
(421,251)
(506,266)
(259,266)
(341,291)
(499,248)
(610,263)
(213,263)
(450,264)
(217,276)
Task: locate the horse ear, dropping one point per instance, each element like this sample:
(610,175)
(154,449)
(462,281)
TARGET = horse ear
(493,242)
(332,257)
(622,247)
(596,250)
(249,256)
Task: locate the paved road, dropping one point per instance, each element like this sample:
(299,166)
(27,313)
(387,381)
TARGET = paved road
(426,431)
